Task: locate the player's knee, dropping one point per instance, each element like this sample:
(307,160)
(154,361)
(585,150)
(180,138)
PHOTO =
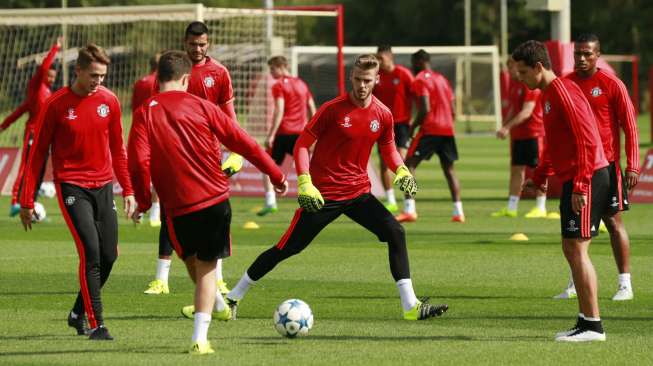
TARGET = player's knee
(394,233)
(286,252)
(611,223)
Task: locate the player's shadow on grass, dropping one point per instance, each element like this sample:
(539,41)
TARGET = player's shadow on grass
(38,293)
(39,337)
(148,350)
(277,341)
(435,298)
(147,317)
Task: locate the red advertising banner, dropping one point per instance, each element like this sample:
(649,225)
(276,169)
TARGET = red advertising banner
(9,161)
(643,192)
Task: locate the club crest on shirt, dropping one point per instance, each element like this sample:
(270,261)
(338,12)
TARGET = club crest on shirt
(572,226)
(103,110)
(346,123)
(395,81)
(596,91)
(547,107)
(70,200)
(71,114)
(374,125)
(209,81)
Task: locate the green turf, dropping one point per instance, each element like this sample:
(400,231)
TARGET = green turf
(499,292)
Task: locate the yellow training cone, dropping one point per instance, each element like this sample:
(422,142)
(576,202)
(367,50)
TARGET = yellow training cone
(253,225)
(519,237)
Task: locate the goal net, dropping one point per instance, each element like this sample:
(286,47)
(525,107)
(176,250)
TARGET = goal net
(241,39)
(473,72)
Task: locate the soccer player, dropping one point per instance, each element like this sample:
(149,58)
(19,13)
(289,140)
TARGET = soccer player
(523,122)
(335,182)
(291,100)
(175,139)
(573,152)
(208,80)
(38,90)
(82,123)
(394,90)
(144,88)
(435,116)
(613,110)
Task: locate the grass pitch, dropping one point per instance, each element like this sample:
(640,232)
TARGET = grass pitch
(499,291)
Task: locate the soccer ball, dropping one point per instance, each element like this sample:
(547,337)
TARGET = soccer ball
(293,318)
(47,190)
(39,212)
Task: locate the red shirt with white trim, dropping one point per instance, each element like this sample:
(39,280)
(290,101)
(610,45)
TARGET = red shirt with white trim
(613,109)
(519,94)
(345,136)
(394,90)
(143,89)
(175,139)
(86,138)
(572,148)
(439,120)
(210,80)
(295,95)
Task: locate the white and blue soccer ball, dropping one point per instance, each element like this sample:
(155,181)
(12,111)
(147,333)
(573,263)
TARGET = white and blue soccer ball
(293,318)
(39,213)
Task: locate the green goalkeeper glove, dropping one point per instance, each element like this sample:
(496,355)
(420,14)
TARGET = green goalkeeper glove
(308,196)
(232,165)
(405,181)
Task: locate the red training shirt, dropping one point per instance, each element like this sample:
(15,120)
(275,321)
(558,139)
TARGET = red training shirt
(175,139)
(37,92)
(572,148)
(295,95)
(143,89)
(519,94)
(210,80)
(86,138)
(439,120)
(345,136)
(613,109)
(394,90)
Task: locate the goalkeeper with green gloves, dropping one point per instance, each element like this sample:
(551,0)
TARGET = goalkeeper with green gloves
(335,181)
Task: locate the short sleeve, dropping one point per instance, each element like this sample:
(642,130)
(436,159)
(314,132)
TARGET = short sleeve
(419,88)
(226,89)
(277,90)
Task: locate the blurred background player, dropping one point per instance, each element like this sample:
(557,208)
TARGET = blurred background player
(291,100)
(613,110)
(208,80)
(176,140)
(435,118)
(144,88)
(394,90)
(523,121)
(38,90)
(83,125)
(573,152)
(344,132)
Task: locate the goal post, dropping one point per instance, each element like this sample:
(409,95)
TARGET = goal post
(478,99)
(241,39)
